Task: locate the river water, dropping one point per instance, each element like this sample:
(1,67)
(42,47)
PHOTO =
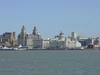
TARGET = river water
(59,62)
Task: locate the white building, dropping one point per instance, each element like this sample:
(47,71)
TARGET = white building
(58,42)
(72,43)
(45,44)
(30,41)
(34,40)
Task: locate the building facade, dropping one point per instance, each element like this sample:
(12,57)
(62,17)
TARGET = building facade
(8,39)
(34,40)
(58,42)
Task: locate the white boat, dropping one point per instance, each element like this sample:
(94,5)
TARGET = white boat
(22,47)
(76,48)
(6,48)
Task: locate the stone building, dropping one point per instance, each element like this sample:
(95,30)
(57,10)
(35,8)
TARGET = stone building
(58,42)
(45,44)
(34,40)
(8,39)
(72,44)
(22,37)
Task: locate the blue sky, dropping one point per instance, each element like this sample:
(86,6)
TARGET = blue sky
(51,16)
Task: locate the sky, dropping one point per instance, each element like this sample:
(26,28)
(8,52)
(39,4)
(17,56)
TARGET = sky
(51,16)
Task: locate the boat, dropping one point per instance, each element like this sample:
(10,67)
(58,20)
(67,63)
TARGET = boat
(6,48)
(22,47)
(76,48)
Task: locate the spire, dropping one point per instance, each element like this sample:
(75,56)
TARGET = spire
(23,32)
(34,30)
(23,29)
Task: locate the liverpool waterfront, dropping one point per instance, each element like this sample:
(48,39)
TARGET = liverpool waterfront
(34,40)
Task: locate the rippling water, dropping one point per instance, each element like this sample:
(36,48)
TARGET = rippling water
(50,62)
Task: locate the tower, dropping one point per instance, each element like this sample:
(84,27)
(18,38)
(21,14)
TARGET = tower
(34,30)
(22,36)
(73,36)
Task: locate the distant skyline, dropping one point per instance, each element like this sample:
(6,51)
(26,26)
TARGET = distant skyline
(51,16)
